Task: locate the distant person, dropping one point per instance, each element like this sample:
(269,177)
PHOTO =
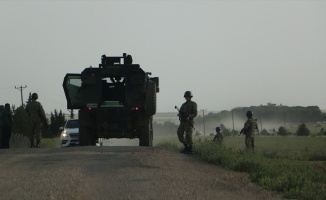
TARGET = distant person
(6,128)
(37,117)
(250,128)
(2,107)
(187,113)
(218,136)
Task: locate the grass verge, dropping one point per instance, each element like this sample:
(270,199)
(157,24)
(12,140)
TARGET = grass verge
(50,142)
(292,175)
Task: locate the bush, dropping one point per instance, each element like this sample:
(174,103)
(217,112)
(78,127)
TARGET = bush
(264,132)
(226,132)
(282,131)
(303,130)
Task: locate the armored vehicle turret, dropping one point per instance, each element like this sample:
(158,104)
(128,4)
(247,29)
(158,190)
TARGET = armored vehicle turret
(115,100)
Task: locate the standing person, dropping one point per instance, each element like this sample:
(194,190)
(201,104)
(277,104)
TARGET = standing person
(187,113)
(6,129)
(218,137)
(37,117)
(2,107)
(249,129)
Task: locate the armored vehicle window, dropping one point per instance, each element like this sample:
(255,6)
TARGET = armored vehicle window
(72,85)
(113,89)
(74,82)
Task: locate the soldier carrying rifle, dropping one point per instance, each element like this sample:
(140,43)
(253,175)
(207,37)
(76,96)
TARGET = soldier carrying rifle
(249,129)
(37,117)
(187,113)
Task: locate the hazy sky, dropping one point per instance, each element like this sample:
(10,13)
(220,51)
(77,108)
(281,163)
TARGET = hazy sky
(228,53)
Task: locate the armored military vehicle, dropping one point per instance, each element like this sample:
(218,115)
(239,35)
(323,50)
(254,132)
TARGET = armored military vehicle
(115,100)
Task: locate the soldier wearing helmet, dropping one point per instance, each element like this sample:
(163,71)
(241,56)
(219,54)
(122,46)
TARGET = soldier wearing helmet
(37,117)
(187,113)
(219,136)
(249,129)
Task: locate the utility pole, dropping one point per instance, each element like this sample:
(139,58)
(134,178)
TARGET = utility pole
(232,120)
(284,119)
(203,118)
(21,92)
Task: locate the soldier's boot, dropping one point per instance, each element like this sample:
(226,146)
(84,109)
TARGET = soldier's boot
(38,143)
(189,150)
(185,149)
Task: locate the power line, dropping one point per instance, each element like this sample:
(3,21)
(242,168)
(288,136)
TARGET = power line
(21,92)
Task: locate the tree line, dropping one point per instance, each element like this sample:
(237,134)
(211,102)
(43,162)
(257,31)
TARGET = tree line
(296,114)
(22,124)
(273,113)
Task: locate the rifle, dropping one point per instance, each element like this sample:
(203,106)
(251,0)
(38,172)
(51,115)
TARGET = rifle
(242,132)
(182,117)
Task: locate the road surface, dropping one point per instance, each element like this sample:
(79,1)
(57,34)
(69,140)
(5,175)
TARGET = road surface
(117,172)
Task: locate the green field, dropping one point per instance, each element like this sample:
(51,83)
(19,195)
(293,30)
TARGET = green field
(292,166)
(284,144)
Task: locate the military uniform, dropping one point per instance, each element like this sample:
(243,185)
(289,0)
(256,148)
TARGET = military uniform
(187,113)
(249,129)
(2,107)
(6,128)
(36,115)
(218,137)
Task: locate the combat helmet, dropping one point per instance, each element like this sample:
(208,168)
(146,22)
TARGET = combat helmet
(34,96)
(249,113)
(188,94)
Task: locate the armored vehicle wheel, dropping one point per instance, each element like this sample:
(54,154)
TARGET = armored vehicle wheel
(146,134)
(151,98)
(85,136)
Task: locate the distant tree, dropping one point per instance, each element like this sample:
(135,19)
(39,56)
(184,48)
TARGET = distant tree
(264,132)
(322,130)
(72,114)
(282,131)
(167,127)
(57,120)
(234,132)
(222,127)
(226,132)
(21,121)
(303,130)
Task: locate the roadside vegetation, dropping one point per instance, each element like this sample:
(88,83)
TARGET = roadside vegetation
(292,166)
